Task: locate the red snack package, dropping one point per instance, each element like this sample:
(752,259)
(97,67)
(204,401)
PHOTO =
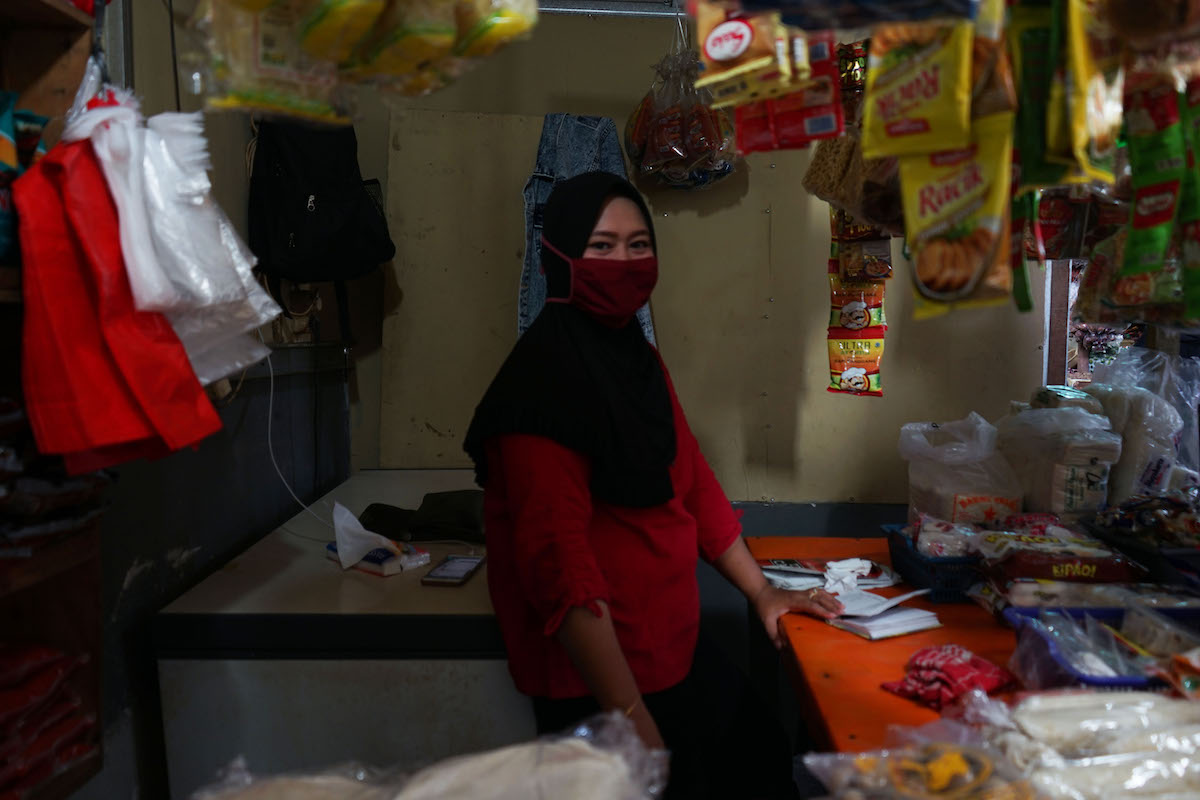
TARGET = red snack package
(755,134)
(19,661)
(1055,213)
(809,115)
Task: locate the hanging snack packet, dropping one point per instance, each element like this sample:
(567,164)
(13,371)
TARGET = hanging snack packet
(862,252)
(735,45)
(1023,208)
(854,361)
(1189,200)
(1158,156)
(956,207)
(918,96)
(1096,83)
(992,87)
(815,112)
(755,134)
(1058,109)
(331,29)
(484,26)
(1029,38)
(257,64)
(855,305)
(410,33)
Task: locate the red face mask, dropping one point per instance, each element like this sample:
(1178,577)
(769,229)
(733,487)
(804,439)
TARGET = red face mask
(610,290)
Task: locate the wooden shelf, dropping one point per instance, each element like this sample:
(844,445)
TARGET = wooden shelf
(42,14)
(21,573)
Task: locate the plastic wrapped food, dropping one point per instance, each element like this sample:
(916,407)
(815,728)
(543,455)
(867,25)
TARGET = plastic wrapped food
(1062,456)
(1157,633)
(332,29)
(855,305)
(956,207)
(937,538)
(257,63)
(1059,554)
(955,472)
(409,34)
(1148,426)
(484,26)
(931,771)
(599,759)
(1065,397)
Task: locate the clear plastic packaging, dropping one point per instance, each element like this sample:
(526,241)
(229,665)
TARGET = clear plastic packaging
(1157,633)
(955,472)
(1148,426)
(602,758)
(933,770)
(1176,379)
(1062,457)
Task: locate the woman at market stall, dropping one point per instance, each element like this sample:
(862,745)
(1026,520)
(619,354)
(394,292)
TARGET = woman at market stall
(598,503)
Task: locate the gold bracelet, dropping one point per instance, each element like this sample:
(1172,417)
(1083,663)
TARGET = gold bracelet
(632,706)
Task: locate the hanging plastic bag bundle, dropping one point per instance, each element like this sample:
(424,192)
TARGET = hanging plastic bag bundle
(331,29)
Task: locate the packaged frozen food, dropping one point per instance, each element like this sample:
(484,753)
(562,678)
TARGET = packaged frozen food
(918,96)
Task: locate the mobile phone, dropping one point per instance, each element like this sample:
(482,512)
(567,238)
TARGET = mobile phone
(452,571)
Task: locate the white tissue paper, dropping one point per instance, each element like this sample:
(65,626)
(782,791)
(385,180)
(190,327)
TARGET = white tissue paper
(842,576)
(353,540)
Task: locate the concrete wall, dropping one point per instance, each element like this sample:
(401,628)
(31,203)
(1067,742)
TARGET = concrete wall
(742,303)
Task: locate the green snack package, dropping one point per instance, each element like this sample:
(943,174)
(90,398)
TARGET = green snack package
(1029,42)
(1189,200)
(1158,157)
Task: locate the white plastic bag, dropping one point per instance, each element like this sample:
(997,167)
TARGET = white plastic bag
(1062,457)
(1148,426)
(955,472)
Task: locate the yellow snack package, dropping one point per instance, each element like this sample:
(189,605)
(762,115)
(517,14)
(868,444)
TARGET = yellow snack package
(408,34)
(1096,85)
(484,26)
(918,97)
(257,63)
(332,29)
(956,211)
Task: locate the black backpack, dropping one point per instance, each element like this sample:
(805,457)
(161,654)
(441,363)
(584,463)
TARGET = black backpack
(312,217)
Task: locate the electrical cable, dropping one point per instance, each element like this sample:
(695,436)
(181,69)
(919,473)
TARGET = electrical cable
(174,53)
(271,441)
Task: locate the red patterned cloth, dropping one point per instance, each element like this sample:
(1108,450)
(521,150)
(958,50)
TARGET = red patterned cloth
(939,675)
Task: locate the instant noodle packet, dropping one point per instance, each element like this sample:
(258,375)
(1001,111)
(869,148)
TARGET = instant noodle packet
(918,93)
(854,361)
(862,252)
(1158,156)
(855,305)
(956,210)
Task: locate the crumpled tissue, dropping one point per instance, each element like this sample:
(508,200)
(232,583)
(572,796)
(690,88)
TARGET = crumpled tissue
(842,576)
(353,540)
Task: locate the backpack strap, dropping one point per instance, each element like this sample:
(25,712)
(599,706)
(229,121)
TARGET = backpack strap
(343,306)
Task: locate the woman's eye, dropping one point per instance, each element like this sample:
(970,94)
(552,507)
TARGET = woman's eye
(645,245)
(599,246)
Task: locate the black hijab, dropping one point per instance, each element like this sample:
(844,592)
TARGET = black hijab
(594,389)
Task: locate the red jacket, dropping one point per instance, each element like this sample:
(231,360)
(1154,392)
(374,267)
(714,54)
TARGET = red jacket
(551,548)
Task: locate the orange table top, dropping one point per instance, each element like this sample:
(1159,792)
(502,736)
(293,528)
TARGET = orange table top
(837,674)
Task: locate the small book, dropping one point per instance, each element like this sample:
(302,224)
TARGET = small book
(893,622)
(382,561)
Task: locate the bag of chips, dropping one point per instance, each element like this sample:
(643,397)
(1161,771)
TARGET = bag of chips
(918,97)
(956,207)
(331,29)
(1096,84)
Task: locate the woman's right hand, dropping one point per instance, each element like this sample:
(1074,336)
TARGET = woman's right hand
(646,727)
